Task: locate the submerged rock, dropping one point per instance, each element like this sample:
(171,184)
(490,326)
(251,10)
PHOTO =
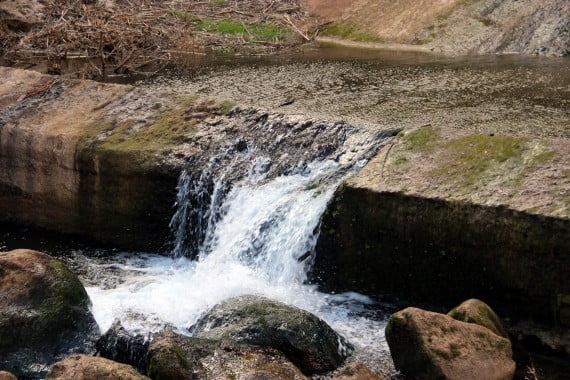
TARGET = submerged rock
(176,357)
(306,340)
(44,313)
(119,345)
(84,367)
(479,313)
(426,345)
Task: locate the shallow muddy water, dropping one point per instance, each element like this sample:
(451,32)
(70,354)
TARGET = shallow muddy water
(493,94)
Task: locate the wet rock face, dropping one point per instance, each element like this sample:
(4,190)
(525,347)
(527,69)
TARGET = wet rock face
(479,313)
(83,367)
(176,357)
(118,345)
(426,345)
(306,340)
(44,313)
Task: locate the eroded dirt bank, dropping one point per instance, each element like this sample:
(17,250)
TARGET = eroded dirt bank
(452,26)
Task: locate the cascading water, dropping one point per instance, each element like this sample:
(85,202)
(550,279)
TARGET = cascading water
(255,236)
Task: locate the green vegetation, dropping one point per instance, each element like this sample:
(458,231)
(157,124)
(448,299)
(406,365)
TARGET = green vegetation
(423,139)
(348,31)
(227,106)
(470,157)
(217,3)
(253,32)
(67,293)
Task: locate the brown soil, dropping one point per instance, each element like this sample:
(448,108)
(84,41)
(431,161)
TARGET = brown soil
(454,26)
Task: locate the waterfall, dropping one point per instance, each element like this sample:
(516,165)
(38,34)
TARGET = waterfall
(246,224)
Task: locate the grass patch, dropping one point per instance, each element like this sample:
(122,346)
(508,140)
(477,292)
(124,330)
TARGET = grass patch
(422,140)
(348,31)
(227,106)
(217,3)
(262,32)
(471,157)
(544,157)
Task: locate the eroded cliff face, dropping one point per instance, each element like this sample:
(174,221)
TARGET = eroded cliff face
(452,26)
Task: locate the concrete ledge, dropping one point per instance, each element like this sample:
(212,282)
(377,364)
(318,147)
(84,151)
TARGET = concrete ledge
(440,216)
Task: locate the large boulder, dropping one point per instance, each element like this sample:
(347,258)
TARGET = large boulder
(426,345)
(84,367)
(44,313)
(119,345)
(176,357)
(306,340)
(7,376)
(479,313)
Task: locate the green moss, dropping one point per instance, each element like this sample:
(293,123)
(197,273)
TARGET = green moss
(349,31)
(422,140)
(471,157)
(181,357)
(544,157)
(67,302)
(227,106)
(67,290)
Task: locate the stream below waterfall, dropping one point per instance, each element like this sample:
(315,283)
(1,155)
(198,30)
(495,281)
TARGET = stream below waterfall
(257,234)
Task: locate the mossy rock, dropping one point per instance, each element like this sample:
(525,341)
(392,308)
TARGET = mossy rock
(84,367)
(176,357)
(426,345)
(304,338)
(479,313)
(44,313)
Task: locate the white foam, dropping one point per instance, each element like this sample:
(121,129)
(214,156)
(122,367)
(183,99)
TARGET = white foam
(254,249)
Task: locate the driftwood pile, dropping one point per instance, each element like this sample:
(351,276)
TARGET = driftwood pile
(125,35)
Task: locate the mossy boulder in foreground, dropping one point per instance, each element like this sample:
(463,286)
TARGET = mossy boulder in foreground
(84,367)
(479,313)
(426,345)
(306,340)
(176,357)
(44,313)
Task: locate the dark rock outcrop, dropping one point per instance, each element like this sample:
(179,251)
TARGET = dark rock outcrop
(306,340)
(84,367)
(44,313)
(119,345)
(479,313)
(426,345)
(176,357)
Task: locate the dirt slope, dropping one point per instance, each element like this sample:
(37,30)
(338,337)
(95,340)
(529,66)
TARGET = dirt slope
(453,26)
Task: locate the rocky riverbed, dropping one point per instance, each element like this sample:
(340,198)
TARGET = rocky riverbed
(466,175)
